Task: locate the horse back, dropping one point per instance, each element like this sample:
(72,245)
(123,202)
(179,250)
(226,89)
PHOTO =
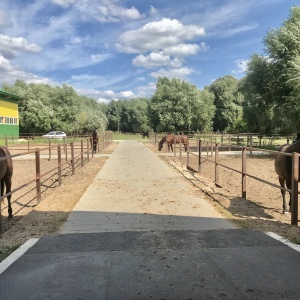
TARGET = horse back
(283,163)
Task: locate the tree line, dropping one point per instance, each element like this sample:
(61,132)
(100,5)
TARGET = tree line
(266,100)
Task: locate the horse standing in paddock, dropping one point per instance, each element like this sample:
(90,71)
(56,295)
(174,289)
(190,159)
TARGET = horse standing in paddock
(170,139)
(283,168)
(145,134)
(94,140)
(6,172)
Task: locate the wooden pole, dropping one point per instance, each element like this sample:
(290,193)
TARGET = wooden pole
(294,194)
(244,185)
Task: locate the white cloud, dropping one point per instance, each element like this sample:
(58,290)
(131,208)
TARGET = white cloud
(153,10)
(241,66)
(64,3)
(10,46)
(9,74)
(146,91)
(114,13)
(104,11)
(152,60)
(5,21)
(182,49)
(106,96)
(173,73)
(158,35)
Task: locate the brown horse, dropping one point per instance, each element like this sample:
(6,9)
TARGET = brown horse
(6,172)
(94,140)
(283,168)
(170,139)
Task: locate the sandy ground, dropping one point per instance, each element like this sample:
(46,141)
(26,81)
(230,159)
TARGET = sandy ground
(261,211)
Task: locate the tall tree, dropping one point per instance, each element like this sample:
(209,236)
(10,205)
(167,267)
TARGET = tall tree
(228,102)
(173,104)
(274,80)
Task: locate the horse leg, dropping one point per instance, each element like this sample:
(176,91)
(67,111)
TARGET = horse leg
(8,190)
(282,184)
(289,186)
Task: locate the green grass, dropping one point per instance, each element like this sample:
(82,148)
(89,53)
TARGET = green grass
(6,251)
(128,136)
(296,240)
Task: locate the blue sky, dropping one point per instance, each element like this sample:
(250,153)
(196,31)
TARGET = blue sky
(111,49)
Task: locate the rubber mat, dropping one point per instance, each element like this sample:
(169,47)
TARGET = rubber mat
(214,264)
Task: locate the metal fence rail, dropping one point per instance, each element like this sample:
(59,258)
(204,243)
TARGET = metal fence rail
(67,156)
(207,150)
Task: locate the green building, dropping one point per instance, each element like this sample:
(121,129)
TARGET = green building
(9,114)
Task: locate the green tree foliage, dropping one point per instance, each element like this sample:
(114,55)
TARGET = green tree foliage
(259,101)
(228,102)
(128,115)
(47,108)
(272,83)
(177,106)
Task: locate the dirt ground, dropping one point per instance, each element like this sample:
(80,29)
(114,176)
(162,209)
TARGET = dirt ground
(262,210)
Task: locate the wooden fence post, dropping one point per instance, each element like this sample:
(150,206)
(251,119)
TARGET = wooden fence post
(59,164)
(244,185)
(216,164)
(294,195)
(199,156)
(49,145)
(81,154)
(88,150)
(72,158)
(38,175)
(188,153)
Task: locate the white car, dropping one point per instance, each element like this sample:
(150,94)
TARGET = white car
(55,135)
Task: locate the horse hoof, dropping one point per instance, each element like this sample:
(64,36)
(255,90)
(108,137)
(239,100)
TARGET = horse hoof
(10,217)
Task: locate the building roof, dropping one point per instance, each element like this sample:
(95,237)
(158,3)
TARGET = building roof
(9,96)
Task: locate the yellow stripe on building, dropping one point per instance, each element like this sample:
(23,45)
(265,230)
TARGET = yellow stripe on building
(8,109)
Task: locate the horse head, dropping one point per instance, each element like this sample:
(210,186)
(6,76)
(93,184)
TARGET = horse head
(160,144)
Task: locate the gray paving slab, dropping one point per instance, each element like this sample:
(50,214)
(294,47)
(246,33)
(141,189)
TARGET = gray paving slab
(203,264)
(139,232)
(135,190)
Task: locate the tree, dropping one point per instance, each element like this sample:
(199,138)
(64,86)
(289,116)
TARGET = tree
(273,80)
(173,106)
(259,103)
(228,102)
(47,108)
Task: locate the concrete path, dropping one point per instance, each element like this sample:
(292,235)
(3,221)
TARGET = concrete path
(135,190)
(139,232)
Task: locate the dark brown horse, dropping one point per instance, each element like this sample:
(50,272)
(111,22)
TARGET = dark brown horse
(170,139)
(283,168)
(6,172)
(94,140)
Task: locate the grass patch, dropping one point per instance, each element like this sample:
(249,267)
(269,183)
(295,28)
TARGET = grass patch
(6,251)
(296,240)
(128,136)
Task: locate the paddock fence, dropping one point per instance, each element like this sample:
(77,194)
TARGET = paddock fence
(204,152)
(38,169)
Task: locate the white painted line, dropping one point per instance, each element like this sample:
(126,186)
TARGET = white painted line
(16,254)
(284,241)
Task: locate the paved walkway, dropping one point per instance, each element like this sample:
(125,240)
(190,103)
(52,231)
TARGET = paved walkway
(139,232)
(135,190)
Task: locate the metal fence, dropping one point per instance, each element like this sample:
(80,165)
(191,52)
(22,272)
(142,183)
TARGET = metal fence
(202,149)
(65,158)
